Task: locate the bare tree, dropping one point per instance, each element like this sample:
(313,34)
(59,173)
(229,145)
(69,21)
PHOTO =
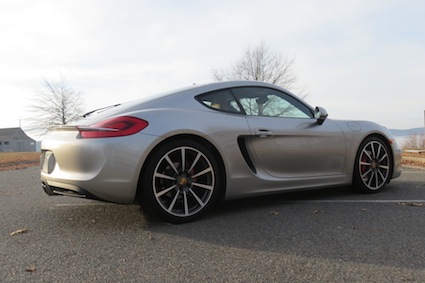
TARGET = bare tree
(54,104)
(258,63)
(414,141)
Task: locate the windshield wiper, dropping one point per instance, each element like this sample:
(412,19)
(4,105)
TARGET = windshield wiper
(98,110)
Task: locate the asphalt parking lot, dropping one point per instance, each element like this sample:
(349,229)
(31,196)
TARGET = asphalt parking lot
(331,235)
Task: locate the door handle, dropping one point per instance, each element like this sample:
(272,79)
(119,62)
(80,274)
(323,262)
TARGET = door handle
(263,133)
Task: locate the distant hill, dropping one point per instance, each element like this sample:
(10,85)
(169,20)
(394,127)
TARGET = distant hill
(408,132)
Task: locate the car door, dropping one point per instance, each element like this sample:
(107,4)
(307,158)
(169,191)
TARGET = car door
(285,137)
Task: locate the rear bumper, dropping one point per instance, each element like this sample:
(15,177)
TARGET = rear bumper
(105,169)
(66,190)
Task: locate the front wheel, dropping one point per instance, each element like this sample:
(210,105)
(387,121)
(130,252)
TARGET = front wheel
(181,181)
(373,165)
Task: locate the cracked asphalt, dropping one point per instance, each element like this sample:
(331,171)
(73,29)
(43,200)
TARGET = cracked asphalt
(330,235)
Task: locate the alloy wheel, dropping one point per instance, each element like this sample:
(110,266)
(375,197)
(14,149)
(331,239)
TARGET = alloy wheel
(183,181)
(374,165)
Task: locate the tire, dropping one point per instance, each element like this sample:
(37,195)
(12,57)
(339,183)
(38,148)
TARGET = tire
(373,167)
(176,193)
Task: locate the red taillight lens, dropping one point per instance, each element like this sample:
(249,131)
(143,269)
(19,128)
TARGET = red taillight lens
(115,127)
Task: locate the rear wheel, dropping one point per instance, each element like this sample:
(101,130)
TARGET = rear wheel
(373,165)
(181,181)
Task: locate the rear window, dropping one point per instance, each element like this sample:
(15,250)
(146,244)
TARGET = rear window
(221,100)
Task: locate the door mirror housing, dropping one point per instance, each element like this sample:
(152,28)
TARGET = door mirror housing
(320,114)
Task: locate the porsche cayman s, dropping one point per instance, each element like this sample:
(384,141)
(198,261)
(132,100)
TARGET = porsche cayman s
(179,153)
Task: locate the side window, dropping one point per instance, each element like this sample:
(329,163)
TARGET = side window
(257,101)
(222,100)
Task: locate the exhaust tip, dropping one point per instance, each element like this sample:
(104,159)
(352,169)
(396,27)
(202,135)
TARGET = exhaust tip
(47,189)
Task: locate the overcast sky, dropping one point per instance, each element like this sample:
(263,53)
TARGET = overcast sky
(358,59)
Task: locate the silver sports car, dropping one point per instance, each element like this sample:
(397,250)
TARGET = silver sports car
(179,153)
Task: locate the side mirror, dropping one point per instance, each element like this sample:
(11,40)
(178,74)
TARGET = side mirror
(320,114)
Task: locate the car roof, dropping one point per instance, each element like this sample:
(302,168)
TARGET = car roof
(197,89)
(178,98)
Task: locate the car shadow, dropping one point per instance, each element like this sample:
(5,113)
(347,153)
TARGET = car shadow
(330,223)
(333,223)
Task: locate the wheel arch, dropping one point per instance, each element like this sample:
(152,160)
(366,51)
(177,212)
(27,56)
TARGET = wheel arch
(192,137)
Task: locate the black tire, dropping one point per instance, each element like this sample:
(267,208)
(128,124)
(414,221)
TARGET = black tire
(373,166)
(176,193)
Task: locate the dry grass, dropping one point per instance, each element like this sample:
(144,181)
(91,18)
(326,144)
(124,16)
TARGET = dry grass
(18,160)
(414,159)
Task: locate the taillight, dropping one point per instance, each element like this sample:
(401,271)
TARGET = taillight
(115,127)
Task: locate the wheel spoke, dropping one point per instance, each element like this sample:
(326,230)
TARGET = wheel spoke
(379,151)
(363,163)
(209,169)
(380,174)
(170,208)
(376,179)
(385,167)
(171,164)
(194,162)
(373,150)
(201,203)
(161,193)
(371,179)
(208,187)
(383,157)
(162,176)
(366,173)
(367,154)
(183,159)
(186,208)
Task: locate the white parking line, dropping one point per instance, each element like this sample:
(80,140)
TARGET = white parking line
(361,201)
(304,201)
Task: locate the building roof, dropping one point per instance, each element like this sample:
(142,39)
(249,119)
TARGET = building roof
(10,134)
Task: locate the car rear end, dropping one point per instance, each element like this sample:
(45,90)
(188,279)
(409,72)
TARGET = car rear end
(99,161)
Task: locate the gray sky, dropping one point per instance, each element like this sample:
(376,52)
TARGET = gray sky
(358,59)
